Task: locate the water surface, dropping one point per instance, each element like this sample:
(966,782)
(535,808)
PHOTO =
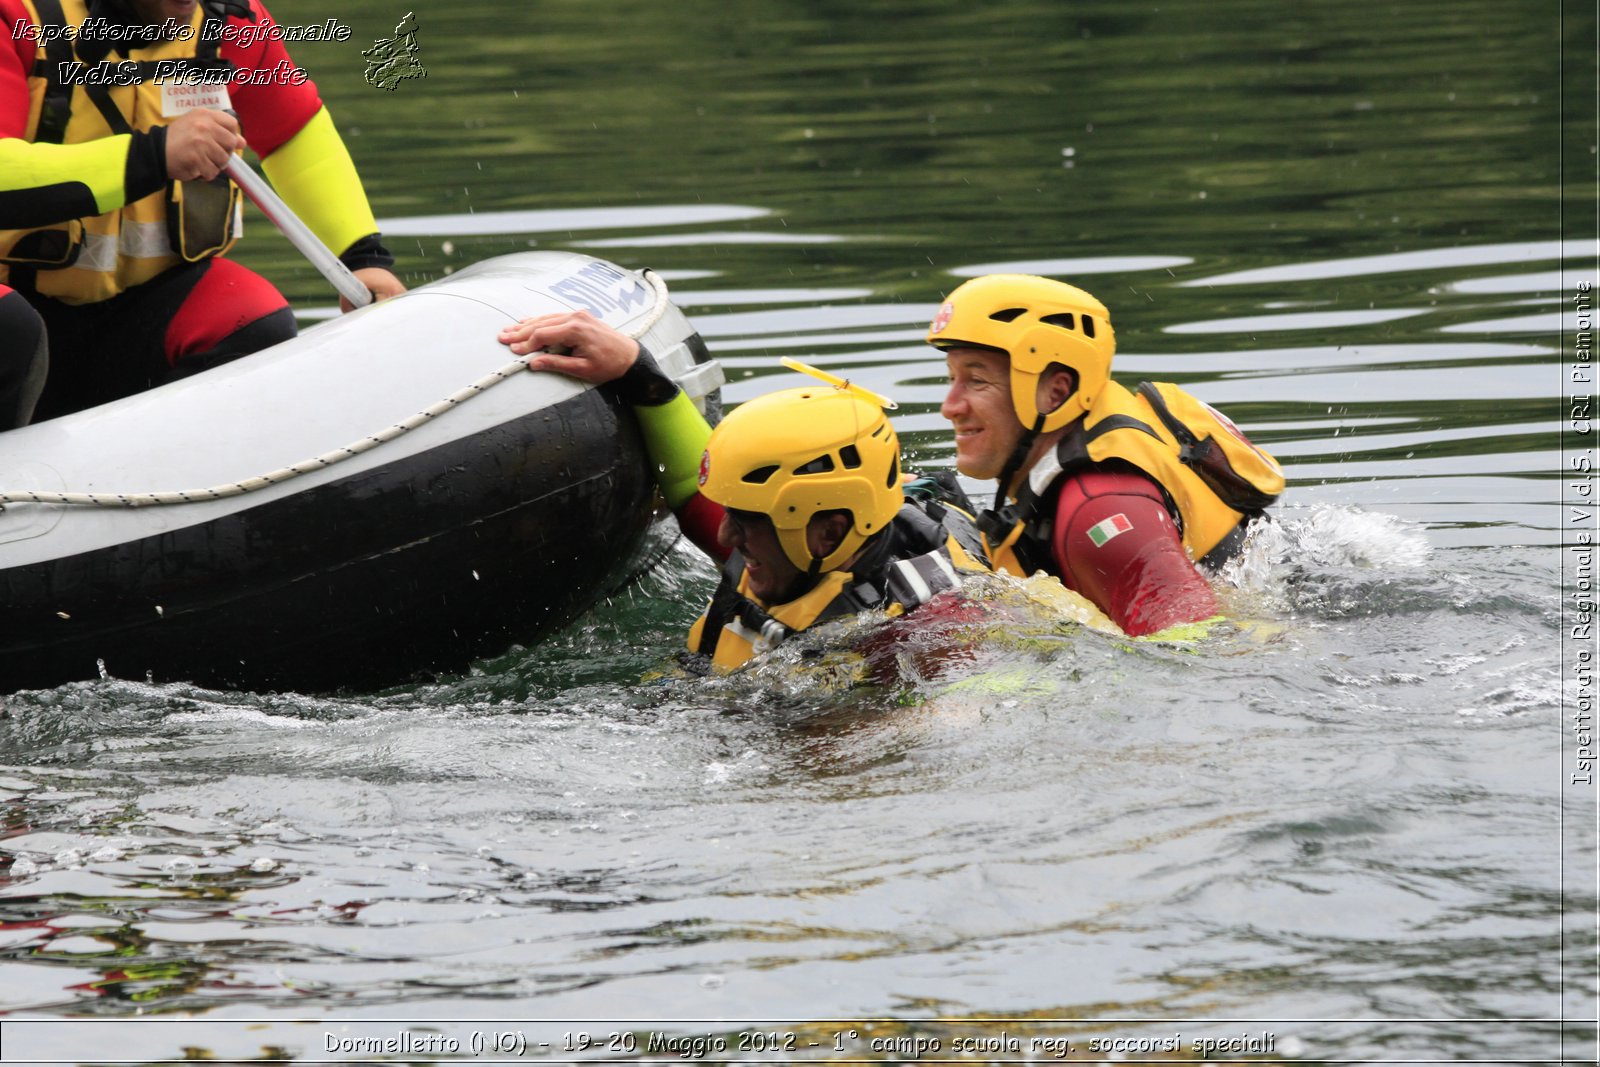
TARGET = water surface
(1344,820)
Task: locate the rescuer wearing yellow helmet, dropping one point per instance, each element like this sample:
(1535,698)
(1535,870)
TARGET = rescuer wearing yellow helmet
(1118,493)
(798,492)
(116,119)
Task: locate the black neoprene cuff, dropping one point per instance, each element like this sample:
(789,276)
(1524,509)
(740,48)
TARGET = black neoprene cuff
(645,386)
(146,168)
(367,252)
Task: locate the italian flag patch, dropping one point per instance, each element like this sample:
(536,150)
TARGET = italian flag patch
(1101,532)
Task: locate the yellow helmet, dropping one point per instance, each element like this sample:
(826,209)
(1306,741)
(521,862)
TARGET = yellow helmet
(1036,322)
(793,453)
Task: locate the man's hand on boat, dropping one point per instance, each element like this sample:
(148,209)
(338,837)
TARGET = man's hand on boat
(574,343)
(382,284)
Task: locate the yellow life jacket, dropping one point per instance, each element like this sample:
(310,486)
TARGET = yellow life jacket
(1213,478)
(84,261)
(920,555)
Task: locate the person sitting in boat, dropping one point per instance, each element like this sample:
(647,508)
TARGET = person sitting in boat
(799,493)
(1125,496)
(116,118)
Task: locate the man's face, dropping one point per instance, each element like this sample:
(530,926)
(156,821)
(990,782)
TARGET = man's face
(771,576)
(979,408)
(155,11)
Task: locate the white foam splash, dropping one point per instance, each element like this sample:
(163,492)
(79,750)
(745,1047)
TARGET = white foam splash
(1350,537)
(1325,537)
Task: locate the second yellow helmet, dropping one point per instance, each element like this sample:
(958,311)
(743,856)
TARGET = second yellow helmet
(797,452)
(1036,322)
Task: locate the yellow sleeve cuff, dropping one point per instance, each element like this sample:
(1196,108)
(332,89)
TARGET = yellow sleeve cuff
(675,436)
(316,177)
(98,165)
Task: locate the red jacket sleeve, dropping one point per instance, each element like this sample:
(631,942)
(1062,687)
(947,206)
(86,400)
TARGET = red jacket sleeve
(16,60)
(1115,543)
(271,113)
(699,519)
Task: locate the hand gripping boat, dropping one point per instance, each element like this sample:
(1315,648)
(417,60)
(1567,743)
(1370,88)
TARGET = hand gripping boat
(381,498)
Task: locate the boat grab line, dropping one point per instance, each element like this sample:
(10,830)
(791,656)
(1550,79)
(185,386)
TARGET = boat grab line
(327,459)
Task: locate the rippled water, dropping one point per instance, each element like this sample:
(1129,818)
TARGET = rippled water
(1344,820)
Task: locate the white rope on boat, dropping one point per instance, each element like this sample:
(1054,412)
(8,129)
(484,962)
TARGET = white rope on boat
(327,459)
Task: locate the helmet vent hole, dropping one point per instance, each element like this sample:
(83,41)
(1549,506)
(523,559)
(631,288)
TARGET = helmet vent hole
(760,475)
(1088,326)
(894,473)
(820,465)
(1008,315)
(850,457)
(1063,319)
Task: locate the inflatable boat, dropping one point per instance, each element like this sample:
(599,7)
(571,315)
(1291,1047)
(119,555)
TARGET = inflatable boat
(380,499)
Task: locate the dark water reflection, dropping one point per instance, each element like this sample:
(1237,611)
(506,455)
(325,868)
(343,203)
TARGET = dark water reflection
(1347,224)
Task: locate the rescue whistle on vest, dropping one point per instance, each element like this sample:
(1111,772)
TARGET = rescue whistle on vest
(298,233)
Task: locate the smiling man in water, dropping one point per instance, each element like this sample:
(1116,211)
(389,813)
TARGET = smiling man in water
(1124,496)
(112,216)
(798,493)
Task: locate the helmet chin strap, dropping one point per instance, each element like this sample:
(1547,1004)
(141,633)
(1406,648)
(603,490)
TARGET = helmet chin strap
(1014,462)
(806,582)
(814,572)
